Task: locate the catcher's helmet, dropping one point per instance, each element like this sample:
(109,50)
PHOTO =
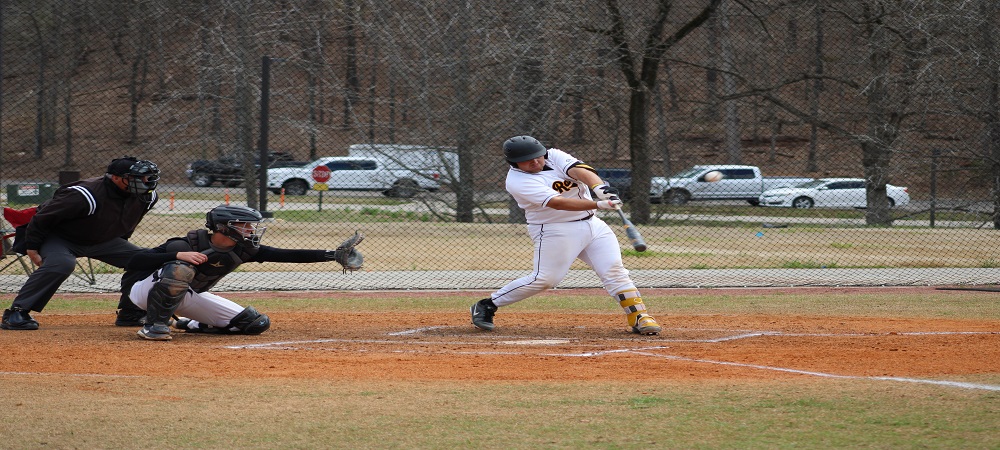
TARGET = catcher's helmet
(238,223)
(141,176)
(522,148)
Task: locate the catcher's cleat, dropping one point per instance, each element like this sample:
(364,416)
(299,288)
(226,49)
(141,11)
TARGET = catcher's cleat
(646,325)
(130,318)
(155,332)
(181,323)
(482,314)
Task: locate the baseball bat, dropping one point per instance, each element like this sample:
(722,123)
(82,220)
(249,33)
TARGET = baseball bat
(638,243)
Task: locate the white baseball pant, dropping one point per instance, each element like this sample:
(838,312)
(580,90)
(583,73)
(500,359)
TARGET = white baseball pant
(557,246)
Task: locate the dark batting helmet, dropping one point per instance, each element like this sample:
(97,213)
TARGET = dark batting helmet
(238,223)
(522,148)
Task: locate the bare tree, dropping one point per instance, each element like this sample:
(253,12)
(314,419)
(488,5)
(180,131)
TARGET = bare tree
(640,68)
(886,80)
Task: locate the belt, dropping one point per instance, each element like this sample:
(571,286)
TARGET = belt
(575,220)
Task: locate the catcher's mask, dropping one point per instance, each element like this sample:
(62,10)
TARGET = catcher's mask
(239,223)
(140,175)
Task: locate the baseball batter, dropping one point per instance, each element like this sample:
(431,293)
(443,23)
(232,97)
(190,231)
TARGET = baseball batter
(554,188)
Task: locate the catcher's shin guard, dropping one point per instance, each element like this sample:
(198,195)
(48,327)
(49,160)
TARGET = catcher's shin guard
(164,298)
(635,313)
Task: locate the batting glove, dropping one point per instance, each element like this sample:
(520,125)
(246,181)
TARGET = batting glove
(605,192)
(615,203)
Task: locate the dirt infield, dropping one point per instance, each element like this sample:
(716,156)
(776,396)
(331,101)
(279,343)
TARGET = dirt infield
(422,345)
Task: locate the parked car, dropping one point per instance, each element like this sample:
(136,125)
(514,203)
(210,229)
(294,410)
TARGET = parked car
(228,169)
(830,193)
(738,183)
(620,179)
(354,174)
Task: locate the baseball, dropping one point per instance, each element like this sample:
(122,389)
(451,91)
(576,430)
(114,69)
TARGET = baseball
(713,176)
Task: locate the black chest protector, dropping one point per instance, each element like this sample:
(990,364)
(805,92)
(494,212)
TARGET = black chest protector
(219,264)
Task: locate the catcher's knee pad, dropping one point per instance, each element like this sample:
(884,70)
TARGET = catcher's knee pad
(176,276)
(631,303)
(249,321)
(174,280)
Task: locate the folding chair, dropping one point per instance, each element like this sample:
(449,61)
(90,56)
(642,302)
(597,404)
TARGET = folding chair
(18,217)
(8,250)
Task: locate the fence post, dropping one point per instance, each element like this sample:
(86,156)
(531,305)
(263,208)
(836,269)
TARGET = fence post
(935,153)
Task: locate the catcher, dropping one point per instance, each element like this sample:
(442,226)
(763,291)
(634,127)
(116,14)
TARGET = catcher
(173,280)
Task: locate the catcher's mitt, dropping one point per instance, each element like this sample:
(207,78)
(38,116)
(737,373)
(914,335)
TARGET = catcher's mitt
(348,256)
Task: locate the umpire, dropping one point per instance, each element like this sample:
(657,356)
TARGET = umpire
(92,218)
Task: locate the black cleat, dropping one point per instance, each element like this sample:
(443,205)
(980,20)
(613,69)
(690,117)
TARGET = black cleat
(18,319)
(482,314)
(130,318)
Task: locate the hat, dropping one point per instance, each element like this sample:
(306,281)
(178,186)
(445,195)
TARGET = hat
(121,166)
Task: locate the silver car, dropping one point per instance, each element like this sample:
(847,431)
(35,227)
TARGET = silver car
(830,193)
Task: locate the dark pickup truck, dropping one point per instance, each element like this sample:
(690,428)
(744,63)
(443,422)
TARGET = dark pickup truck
(228,170)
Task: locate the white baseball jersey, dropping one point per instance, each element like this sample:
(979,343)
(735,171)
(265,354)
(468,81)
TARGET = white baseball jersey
(532,191)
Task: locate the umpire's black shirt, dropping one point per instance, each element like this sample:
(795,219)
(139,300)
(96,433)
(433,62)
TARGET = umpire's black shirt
(88,212)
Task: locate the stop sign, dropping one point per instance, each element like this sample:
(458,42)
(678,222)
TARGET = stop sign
(321,174)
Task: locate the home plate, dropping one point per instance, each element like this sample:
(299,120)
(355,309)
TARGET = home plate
(537,342)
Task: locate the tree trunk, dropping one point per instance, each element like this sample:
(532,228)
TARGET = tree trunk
(731,121)
(814,90)
(244,107)
(639,151)
(463,79)
(40,83)
(352,84)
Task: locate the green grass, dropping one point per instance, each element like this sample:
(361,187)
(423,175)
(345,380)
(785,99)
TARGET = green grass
(602,415)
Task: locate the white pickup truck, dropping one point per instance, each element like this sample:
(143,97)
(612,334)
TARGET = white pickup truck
(738,183)
(350,173)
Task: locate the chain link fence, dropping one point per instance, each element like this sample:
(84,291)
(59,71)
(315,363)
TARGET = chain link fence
(388,117)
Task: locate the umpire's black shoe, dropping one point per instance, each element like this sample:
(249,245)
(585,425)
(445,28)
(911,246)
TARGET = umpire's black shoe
(130,318)
(18,319)
(482,314)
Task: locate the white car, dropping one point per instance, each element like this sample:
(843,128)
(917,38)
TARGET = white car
(830,193)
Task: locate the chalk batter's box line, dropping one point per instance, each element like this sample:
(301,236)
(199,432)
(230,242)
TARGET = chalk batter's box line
(495,339)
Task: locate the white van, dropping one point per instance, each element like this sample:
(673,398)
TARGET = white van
(443,160)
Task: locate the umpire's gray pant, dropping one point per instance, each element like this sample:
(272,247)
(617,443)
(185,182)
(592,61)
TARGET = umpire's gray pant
(59,262)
